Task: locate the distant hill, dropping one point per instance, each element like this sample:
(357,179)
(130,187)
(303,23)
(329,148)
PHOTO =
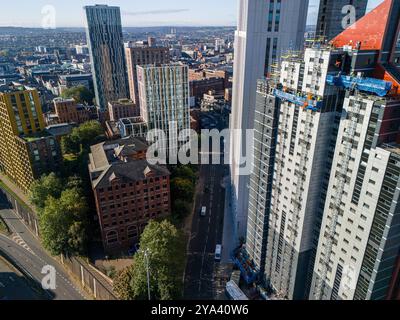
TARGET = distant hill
(166,29)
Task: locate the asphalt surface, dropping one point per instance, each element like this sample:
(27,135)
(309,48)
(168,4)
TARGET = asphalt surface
(206,233)
(13,285)
(26,251)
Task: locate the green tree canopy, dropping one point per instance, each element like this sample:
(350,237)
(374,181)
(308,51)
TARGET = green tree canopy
(80,94)
(182,187)
(63,223)
(180,209)
(83,136)
(46,186)
(166,252)
(123,285)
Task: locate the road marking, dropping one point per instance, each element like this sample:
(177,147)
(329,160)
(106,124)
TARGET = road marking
(2,285)
(18,240)
(11,278)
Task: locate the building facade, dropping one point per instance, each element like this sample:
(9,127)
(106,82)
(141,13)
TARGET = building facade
(357,257)
(68,111)
(128,191)
(135,127)
(291,169)
(123,108)
(164,103)
(26,150)
(266,29)
(139,56)
(335,15)
(104,37)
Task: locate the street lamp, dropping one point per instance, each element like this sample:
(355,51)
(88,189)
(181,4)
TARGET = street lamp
(146,259)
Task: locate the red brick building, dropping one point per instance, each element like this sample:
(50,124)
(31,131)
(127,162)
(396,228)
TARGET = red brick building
(68,111)
(123,108)
(129,192)
(202,81)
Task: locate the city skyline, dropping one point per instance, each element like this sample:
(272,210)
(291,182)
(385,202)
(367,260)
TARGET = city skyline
(152,13)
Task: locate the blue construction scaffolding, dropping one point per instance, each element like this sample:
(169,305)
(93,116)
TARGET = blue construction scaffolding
(241,259)
(370,85)
(307,103)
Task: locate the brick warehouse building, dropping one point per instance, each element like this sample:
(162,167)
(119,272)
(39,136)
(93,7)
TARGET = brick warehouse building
(128,191)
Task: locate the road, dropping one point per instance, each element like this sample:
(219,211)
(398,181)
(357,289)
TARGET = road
(13,285)
(206,233)
(24,249)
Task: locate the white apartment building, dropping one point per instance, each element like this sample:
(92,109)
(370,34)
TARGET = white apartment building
(283,224)
(360,238)
(266,29)
(164,102)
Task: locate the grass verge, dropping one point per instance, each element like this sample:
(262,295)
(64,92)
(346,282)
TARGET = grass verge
(3,227)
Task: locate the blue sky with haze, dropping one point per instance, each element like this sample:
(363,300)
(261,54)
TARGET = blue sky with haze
(69,13)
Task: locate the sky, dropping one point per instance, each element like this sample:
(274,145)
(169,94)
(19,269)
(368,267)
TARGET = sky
(135,13)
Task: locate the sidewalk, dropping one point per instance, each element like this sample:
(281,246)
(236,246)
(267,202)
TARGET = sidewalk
(16,191)
(229,243)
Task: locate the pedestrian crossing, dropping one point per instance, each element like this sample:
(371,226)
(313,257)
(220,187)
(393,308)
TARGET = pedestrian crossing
(18,240)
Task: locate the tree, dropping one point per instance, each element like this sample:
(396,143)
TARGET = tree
(166,252)
(63,223)
(46,186)
(180,209)
(122,285)
(82,137)
(88,133)
(185,172)
(80,94)
(69,145)
(182,187)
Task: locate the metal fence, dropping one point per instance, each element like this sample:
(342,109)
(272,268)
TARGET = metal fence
(89,278)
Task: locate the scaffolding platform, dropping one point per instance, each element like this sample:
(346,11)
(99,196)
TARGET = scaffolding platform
(307,103)
(247,267)
(371,85)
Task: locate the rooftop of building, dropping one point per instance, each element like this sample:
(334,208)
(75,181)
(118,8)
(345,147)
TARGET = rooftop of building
(60,129)
(60,99)
(124,101)
(14,87)
(392,147)
(75,76)
(106,165)
(162,65)
(132,121)
(35,136)
(107,153)
(128,172)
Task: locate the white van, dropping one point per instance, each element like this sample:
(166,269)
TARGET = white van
(218,252)
(203,211)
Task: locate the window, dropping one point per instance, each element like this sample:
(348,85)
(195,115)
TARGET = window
(112,237)
(132,232)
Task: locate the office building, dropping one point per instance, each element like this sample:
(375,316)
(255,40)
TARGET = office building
(128,191)
(164,102)
(358,250)
(26,150)
(139,56)
(334,16)
(104,37)
(266,30)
